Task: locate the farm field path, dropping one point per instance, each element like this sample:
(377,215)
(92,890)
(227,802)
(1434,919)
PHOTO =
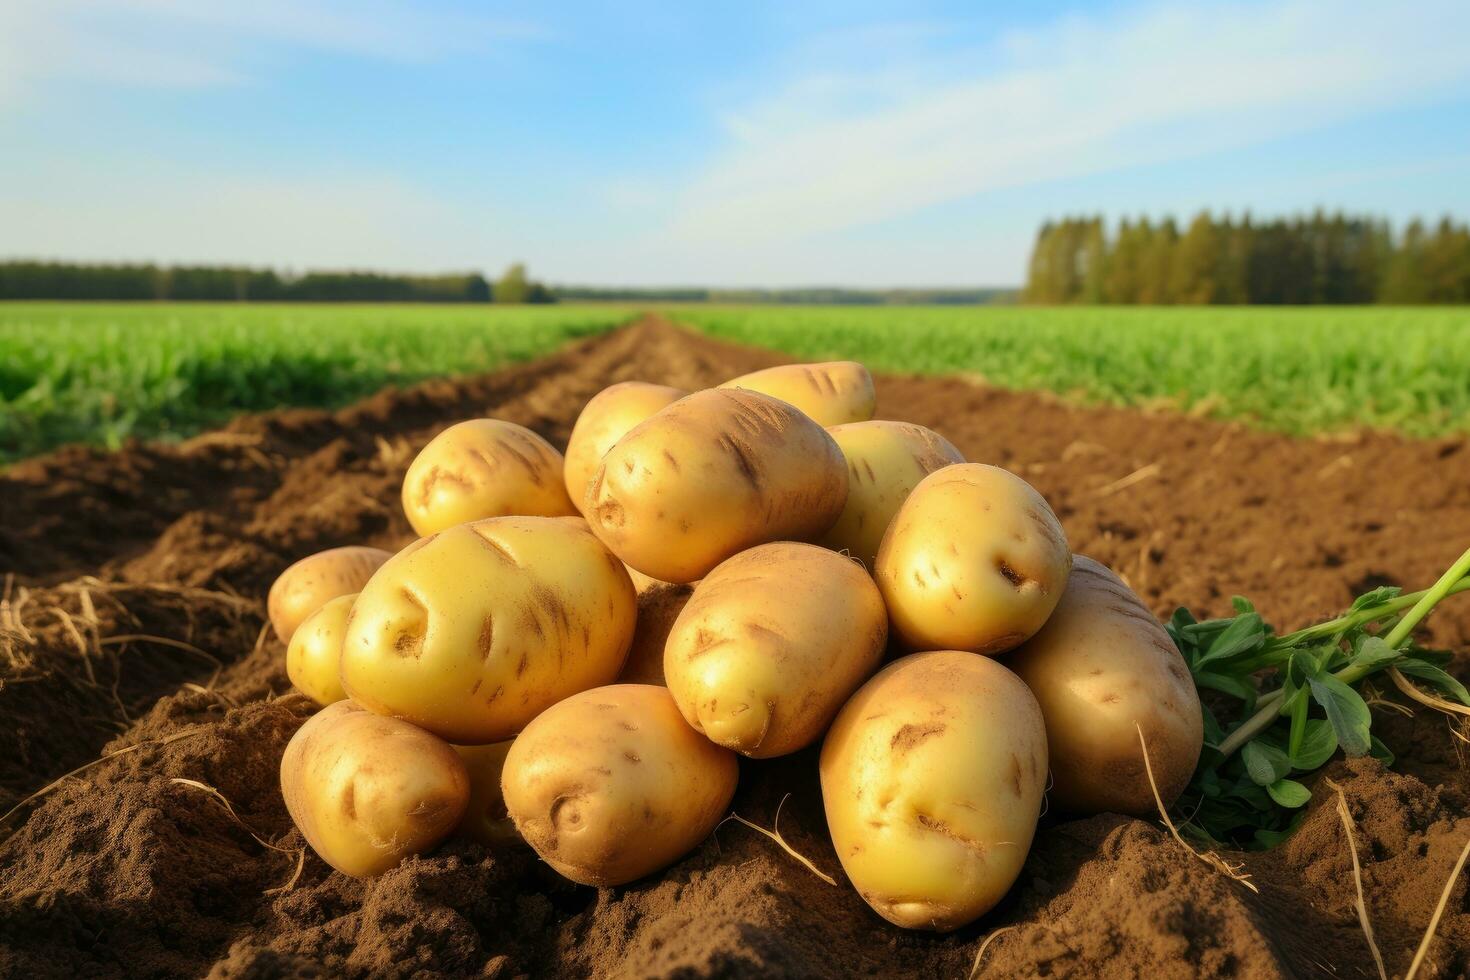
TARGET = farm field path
(123,871)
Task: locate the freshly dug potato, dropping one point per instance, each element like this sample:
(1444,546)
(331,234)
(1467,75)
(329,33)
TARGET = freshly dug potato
(658,607)
(315,651)
(483,468)
(885,461)
(973,560)
(771,644)
(367,791)
(605,420)
(611,784)
(711,475)
(833,393)
(472,632)
(1101,665)
(307,585)
(932,778)
(485,819)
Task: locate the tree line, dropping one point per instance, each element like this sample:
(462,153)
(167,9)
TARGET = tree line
(1319,258)
(26,279)
(795,296)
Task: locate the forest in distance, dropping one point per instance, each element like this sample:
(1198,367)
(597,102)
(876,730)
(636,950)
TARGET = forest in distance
(1332,259)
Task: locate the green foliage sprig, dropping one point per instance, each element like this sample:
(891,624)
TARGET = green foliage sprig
(1301,699)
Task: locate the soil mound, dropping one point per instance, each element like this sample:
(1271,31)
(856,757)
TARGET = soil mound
(132,627)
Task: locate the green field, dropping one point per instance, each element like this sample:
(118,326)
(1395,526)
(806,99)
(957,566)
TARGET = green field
(100,373)
(1297,369)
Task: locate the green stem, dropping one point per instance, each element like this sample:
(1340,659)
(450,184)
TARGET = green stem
(1455,579)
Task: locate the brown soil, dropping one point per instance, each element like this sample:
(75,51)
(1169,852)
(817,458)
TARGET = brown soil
(121,871)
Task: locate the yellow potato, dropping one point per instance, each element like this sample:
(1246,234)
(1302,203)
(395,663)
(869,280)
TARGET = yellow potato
(485,819)
(973,560)
(771,644)
(932,778)
(367,791)
(307,585)
(472,632)
(885,461)
(658,607)
(315,651)
(611,784)
(483,468)
(711,475)
(833,393)
(605,420)
(1099,667)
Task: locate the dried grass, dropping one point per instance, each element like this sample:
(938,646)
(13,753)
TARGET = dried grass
(1347,826)
(775,835)
(1444,898)
(298,852)
(1210,858)
(980,953)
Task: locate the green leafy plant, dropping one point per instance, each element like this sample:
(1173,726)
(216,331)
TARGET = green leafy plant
(1301,698)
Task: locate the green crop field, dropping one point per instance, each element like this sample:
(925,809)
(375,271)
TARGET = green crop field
(1298,369)
(100,373)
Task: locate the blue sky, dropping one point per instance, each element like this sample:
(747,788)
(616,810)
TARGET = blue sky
(856,143)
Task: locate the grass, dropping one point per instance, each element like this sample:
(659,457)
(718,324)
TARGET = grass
(1299,370)
(101,373)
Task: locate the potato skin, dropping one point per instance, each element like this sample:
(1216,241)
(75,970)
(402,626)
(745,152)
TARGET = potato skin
(1101,665)
(604,420)
(483,468)
(485,819)
(309,584)
(314,655)
(711,475)
(367,791)
(771,644)
(932,779)
(832,393)
(885,461)
(473,631)
(973,560)
(611,784)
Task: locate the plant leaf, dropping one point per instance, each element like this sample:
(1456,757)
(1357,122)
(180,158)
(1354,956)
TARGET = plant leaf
(1244,634)
(1265,763)
(1415,667)
(1242,605)
(1374,651)
(1346,711)
(1289,793)
(1375,597)
(1381,752)
(1318,743)
(1236,687)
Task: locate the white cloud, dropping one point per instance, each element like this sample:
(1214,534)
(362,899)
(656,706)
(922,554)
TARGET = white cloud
(202,43)
(1079,96)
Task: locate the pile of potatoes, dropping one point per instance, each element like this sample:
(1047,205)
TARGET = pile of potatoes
(579,647)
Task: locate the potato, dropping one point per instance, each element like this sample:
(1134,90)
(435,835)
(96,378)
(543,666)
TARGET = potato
(658,607)
(315,652)
(832,393)
(973,560)
(932,779)
(485,819)
(611,784)
(483,468)
(1101,665)
(367,791)
(885,461)
(472,632)
(307,585)
(771,644)
(605,420)
(711,475)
